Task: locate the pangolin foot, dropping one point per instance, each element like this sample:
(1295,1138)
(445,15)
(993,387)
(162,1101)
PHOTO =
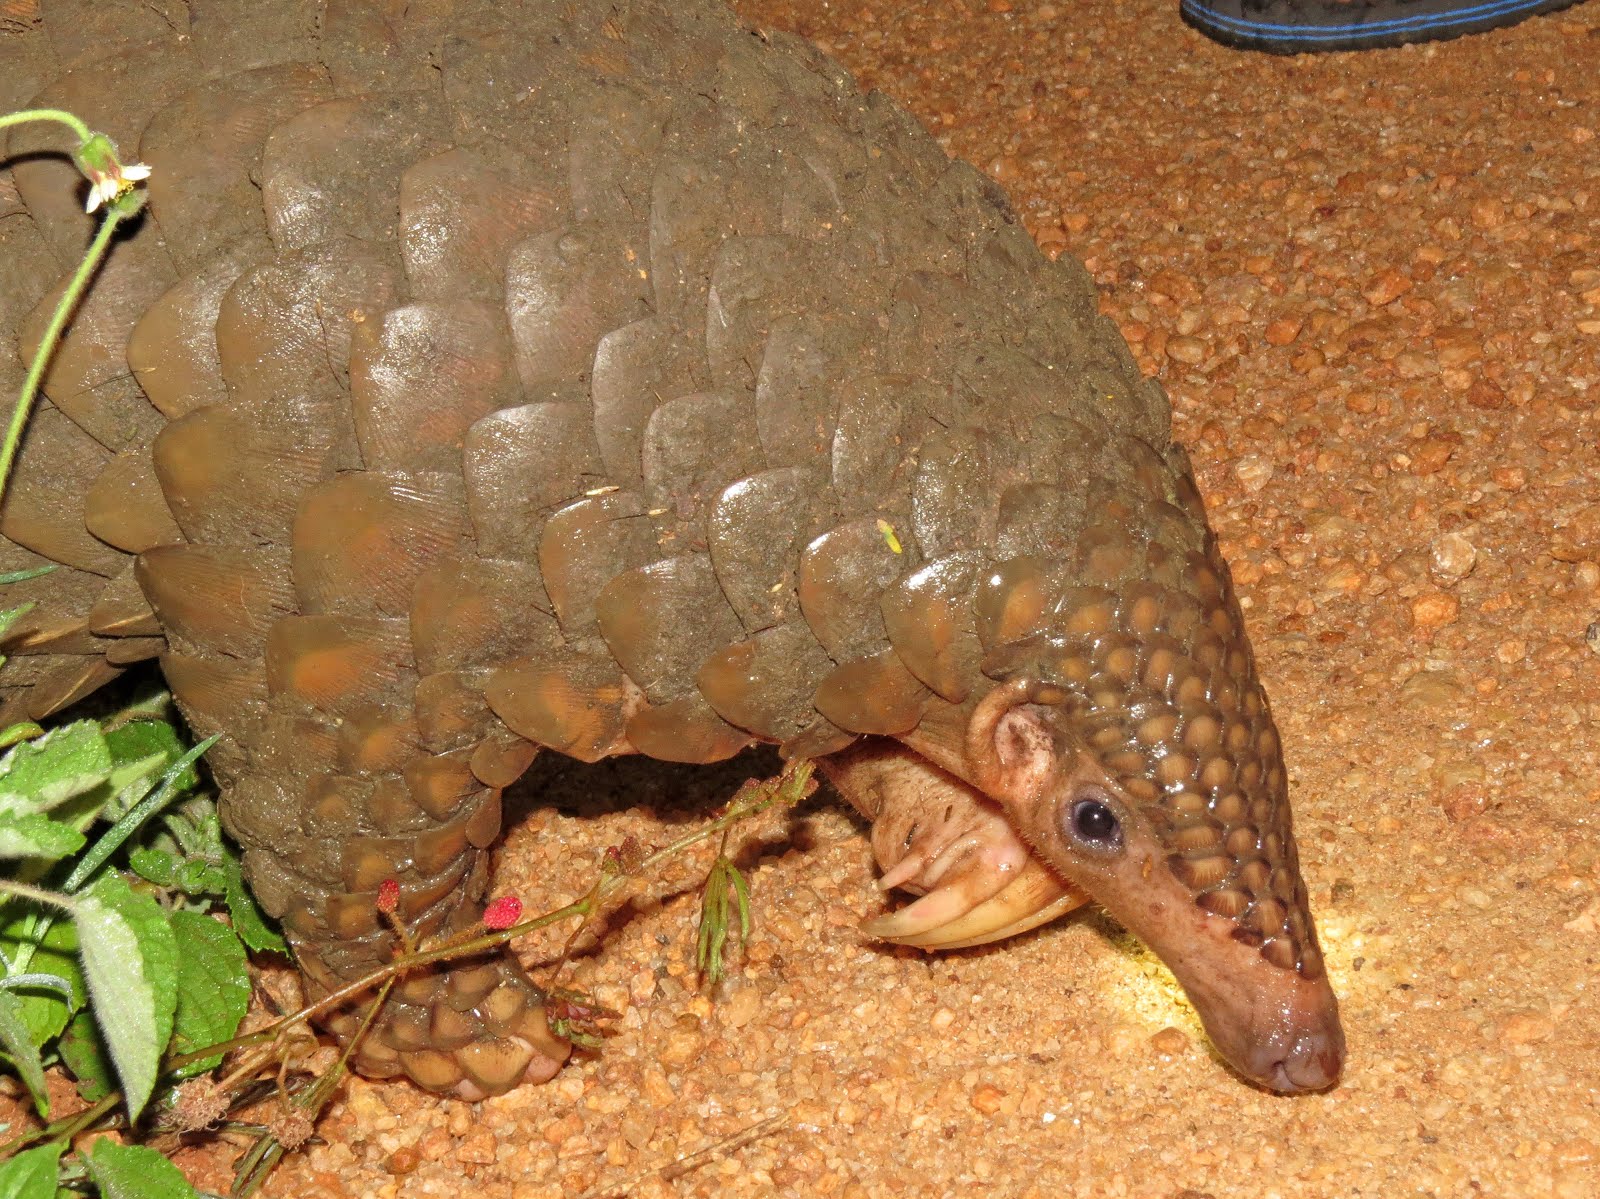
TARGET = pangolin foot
(936,837)
(468,1031)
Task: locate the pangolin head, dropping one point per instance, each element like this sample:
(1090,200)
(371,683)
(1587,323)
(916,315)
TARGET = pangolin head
(1132,743)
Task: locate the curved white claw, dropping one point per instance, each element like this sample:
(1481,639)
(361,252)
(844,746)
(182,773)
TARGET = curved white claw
(941,838)
(949,917)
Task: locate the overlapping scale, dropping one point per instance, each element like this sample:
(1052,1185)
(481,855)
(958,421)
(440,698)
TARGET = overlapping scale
(566,289)
(523,464)
(421,375)
(335,169)
(757,531)
(1165,690)
(461,217)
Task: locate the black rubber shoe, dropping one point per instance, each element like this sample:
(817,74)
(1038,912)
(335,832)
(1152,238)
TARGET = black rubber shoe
(1303,26)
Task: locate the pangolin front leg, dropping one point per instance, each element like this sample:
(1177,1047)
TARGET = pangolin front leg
(936,837)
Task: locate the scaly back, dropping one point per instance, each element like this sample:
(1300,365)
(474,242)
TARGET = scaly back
(596,376)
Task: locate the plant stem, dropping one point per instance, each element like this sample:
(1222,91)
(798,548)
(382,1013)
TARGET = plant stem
(52,334)
(37,895)
(64,1129)
(83,132)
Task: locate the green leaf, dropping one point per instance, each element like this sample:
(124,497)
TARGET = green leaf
(130,959)
(196,829)
(213,986)
(24,577)
(201,878)
(66,762)
(135,1172)
(154,865)
(84,1051)
(32,1173)
(37,836)
(54,952)
(725,887)
(131,820)
(140,751)
(24,730)
(9,616)
(190,874)
(17,1041)
(248,922)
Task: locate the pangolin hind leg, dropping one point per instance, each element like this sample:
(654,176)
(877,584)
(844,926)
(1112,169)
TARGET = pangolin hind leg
(936,837)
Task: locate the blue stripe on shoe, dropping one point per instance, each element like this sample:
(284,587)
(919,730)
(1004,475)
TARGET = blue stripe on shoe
(1425,22)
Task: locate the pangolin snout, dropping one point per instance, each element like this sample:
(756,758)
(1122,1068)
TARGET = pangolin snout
(1310,1061)
(1300,1050)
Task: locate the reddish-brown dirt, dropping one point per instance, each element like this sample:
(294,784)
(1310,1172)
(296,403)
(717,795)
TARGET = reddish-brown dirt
(1371,285)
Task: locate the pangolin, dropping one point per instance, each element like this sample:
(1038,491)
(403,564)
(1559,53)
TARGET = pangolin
(607,377)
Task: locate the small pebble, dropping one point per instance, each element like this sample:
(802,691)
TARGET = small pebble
(656,1087)
(1434,610)
(403,1160)
(1189,350)
(480,1147)
(1344,579)
(1488,214)
(741,1007)
(1386,287)
(1282,332)
(1525,1028)
(685,1043)
(1253,471)
(562,1128)
(1464,802)
(1170,1042)
(1512,651)
(986,1098)
(1453,557)
(1430,456)
(1509,478)
(1486,395)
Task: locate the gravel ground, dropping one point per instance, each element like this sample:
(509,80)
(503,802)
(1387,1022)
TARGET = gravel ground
(1371,284)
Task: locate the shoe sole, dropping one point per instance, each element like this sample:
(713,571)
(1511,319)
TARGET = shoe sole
(1301,28)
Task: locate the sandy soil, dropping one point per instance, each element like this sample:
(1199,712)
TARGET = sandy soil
(1371,284)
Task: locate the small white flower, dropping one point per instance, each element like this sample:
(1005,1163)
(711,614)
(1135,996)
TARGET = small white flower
(107,186)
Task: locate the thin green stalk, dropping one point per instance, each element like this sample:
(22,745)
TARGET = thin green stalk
(163,793)
(63,1129)
(37,894)
(83,131)
(52,335)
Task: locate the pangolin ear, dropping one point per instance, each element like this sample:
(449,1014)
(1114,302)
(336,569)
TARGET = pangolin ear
(1011,743)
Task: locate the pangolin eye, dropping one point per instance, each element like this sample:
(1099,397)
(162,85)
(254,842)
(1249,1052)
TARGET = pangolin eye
(1094,825)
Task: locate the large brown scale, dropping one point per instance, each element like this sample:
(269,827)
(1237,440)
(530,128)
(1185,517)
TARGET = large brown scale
(609,378)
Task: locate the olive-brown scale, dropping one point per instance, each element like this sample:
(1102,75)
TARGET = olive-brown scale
(598,377)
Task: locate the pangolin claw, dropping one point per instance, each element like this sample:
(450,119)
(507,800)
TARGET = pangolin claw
(948,917)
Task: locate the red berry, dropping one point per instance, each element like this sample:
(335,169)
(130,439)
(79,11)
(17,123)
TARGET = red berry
(388,895)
